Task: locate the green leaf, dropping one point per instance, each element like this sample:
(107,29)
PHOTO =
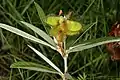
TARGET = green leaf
(40,13)
(53,21)
(40,33)
(74,26)
(92,43)
(24,34)
(46,59)
(54,31)
(33,66)
(27,6)
(70,33)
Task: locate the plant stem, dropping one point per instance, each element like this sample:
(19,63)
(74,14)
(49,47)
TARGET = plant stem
(61,47)
(65,64)
(64,78)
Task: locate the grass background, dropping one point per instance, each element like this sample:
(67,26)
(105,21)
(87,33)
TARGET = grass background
(92,64)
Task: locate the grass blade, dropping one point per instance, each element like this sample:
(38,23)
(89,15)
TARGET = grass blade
(88,64)
(15,12)
(27,6)
(93,43)
(33,66)
(46,59)
(40,33)
(24,34)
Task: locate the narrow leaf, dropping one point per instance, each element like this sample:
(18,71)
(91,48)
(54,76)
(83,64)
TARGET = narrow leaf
(24,34)
(46,59)
(33,66)
(27,6)
(40,13)
(93,43)
(40,33)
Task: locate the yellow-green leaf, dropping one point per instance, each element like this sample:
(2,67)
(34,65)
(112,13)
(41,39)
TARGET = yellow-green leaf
(74,26)
(70,33)
(54,21)
(54,31)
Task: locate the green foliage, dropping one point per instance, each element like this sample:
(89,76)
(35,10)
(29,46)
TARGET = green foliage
(47,60)
(54,21)
(32,66)
(40,33)
(92,43)
(23,34)
(73,27)
(96,17)
(41,14)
